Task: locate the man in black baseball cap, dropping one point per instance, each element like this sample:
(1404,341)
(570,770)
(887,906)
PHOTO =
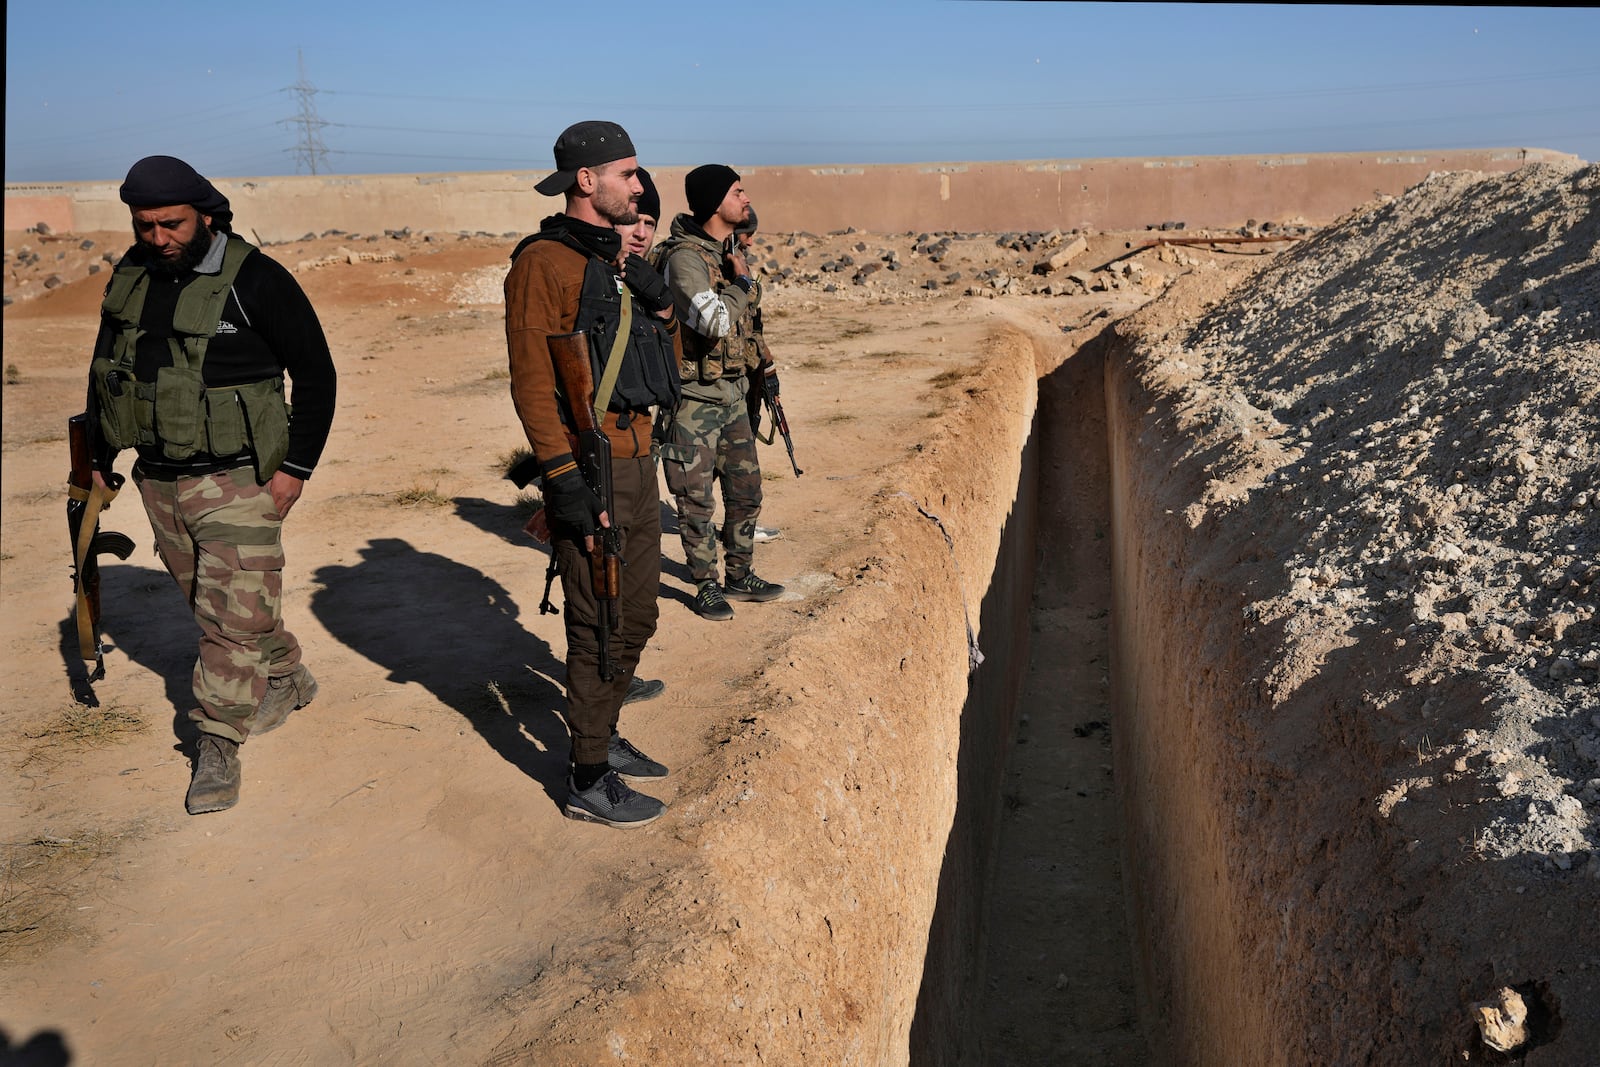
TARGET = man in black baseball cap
(574,275)
(585,145)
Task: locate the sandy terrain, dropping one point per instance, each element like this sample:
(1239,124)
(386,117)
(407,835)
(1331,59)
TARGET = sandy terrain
(397,882)
(1386,436)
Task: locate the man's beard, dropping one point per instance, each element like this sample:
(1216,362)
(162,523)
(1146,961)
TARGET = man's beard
(623,211)
(194,250)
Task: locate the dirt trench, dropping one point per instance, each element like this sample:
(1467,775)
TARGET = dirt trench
(1028,955)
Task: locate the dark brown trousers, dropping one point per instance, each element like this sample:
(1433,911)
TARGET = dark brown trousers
(592,704)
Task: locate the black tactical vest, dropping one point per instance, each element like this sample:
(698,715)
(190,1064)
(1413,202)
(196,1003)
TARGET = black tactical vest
(649,374)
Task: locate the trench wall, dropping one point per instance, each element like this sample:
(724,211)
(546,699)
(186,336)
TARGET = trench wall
(1100,194)
(1198,883)
(852,937)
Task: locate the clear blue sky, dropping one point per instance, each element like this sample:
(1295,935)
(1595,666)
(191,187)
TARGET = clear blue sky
(92,86)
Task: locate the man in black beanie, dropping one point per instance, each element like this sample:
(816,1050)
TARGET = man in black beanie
(639,235)
(710,441)
(198,330)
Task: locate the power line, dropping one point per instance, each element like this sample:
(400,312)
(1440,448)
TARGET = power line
(309,151)
(855,106)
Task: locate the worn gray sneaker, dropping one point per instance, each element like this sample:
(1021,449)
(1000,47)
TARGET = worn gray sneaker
(640,689)
(610,802)
(629,762)
(750,587)
(767,533)
(215,785)
(287,693)
(709,602)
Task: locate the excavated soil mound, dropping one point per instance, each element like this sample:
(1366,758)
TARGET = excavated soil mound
(1361,502)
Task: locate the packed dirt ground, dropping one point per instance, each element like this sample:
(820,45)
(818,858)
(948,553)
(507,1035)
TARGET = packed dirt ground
(399,843)
(1404,407)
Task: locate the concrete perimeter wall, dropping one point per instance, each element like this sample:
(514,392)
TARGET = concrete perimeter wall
(1100,194)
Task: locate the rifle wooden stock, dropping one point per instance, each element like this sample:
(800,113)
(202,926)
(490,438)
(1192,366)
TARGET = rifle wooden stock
(85,500)
(569,353)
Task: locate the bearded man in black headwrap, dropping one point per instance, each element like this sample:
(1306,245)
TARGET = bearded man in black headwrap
(198,331)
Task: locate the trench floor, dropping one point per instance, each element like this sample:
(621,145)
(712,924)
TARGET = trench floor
(1059,974)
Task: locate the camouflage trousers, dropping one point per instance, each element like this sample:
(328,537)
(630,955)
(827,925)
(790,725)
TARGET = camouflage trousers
(713,444)
(220,538)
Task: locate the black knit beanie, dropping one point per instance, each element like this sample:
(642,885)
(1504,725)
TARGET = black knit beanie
(649,200)
(161,181)
(705,188)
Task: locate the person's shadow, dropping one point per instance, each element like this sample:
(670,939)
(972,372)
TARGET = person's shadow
(428,619)
(506,520)
(47,1048)
(142,615)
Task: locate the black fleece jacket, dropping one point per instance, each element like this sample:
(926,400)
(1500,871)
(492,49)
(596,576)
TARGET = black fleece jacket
(267,328)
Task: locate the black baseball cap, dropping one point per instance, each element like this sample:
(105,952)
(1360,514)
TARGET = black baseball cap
(585,144)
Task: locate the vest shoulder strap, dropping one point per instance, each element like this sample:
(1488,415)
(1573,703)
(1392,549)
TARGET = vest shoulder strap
(200,303)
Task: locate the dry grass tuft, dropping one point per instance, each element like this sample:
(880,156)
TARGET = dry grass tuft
(510,459)
(37,897)
(420,496)
(80,726)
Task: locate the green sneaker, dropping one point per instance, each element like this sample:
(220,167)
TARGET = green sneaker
(709,602)
(749,587)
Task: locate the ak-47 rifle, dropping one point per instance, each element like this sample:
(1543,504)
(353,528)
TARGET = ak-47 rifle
(761,393)
(592,449)
(85,501)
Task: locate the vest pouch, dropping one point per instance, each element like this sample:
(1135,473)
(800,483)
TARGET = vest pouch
(267,422)
(226,432)
(114,393)
(180,410)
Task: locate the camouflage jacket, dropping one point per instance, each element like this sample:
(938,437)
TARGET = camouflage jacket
(716,311)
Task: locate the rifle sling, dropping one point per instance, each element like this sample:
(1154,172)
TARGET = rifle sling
(608,377)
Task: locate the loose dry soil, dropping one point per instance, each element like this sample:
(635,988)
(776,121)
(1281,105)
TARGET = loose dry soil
(1379,444)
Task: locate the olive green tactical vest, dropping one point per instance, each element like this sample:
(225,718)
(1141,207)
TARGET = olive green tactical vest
(705,360)
(177,413)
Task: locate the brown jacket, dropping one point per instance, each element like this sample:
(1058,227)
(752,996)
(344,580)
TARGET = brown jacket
(542,290)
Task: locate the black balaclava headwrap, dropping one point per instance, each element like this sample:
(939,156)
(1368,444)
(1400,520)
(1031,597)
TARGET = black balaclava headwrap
(158,181)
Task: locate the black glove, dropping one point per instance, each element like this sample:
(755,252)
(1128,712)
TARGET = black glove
(771,371)
(647,283)
(571,503)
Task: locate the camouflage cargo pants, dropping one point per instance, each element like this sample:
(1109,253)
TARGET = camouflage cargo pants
(220,538)
(711,445)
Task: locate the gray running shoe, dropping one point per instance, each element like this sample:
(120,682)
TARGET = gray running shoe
(291,692)
(215,785)
(753,588)
(640,689)
(768,533)
(629,762)
(709,602)
(611,803)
